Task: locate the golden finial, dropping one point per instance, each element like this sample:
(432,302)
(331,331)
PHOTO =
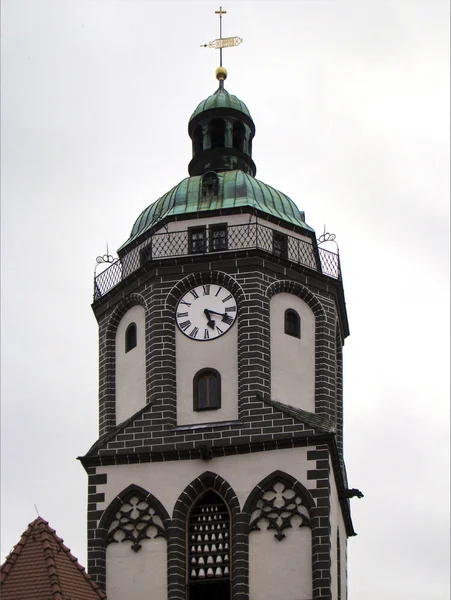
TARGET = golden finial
(221,73)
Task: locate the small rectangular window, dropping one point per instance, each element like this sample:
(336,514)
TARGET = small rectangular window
(197,240)
(279,244)
(218,238)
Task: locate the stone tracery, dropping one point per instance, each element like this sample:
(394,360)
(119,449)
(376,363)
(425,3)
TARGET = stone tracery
(279,505)
(134,521)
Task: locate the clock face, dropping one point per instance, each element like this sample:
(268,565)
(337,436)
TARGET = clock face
(206,312)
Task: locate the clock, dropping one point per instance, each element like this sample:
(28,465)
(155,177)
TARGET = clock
(206,312)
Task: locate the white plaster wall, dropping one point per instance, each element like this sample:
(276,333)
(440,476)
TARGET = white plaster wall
(130,366)
(336,521)
(280,570)
(292,359)
(273,563)
(238,219)
(137,575)
(167,480)
(191,356)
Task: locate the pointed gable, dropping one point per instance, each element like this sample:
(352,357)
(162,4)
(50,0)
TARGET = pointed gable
(41,567)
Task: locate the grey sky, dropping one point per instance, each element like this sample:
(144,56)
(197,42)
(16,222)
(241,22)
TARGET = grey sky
(351,105)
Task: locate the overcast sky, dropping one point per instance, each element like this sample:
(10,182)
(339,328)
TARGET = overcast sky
(351,105)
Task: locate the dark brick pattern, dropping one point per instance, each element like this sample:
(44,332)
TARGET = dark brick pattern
(152,434)
(321,528)
(339,393)
(148,432)
(253,287)
(96,552)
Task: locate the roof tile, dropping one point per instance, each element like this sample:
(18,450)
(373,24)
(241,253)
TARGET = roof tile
(41,567)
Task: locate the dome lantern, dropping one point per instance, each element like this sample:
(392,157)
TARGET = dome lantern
(221,129)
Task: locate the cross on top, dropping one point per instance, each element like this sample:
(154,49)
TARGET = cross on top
(220,12)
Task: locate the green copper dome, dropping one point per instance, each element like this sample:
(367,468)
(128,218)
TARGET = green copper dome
(221,99)
(236,190)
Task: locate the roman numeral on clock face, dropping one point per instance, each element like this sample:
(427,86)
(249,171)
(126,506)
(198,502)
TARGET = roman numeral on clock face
(227,319)
(194,332)
(185,325)
(227,298)
(230,309)
(194,294)
(185,303)
(206,334)
(184,314)
(206,289)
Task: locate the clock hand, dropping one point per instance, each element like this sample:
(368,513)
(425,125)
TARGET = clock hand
(210,321)
(215,313)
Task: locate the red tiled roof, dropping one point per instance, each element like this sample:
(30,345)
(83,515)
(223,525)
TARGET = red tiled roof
(41,567)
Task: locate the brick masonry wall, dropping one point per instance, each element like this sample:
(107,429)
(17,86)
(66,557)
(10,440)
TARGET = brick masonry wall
(316,499)
(254,280)
(152,434)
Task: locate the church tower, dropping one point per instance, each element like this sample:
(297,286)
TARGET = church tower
(219,470)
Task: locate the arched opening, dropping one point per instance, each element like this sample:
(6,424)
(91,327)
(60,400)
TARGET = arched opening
(239,136)
(217,133)
(198,144)
(210,184)
(209,549)
(292,323)
(206,390)
(131,337)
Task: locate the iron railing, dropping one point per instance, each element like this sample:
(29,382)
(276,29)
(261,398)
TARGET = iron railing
(238,237)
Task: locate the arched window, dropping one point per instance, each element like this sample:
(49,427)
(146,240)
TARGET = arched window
(217,133)
(198,144)
(239,135)
(292,323)
(207,390)
(209,549)
(131,338)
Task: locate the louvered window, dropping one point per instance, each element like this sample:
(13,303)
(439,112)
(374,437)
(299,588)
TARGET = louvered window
(209,549)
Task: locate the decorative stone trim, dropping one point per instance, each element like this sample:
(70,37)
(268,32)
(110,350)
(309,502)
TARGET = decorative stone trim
(128,519)
(278,499)
(177,555)
(278,506)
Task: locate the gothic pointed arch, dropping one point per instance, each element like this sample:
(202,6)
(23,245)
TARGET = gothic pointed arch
(277,500)
(133,516)
(177,551)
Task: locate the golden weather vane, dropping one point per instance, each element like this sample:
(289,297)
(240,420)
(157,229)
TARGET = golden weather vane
(221,42)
